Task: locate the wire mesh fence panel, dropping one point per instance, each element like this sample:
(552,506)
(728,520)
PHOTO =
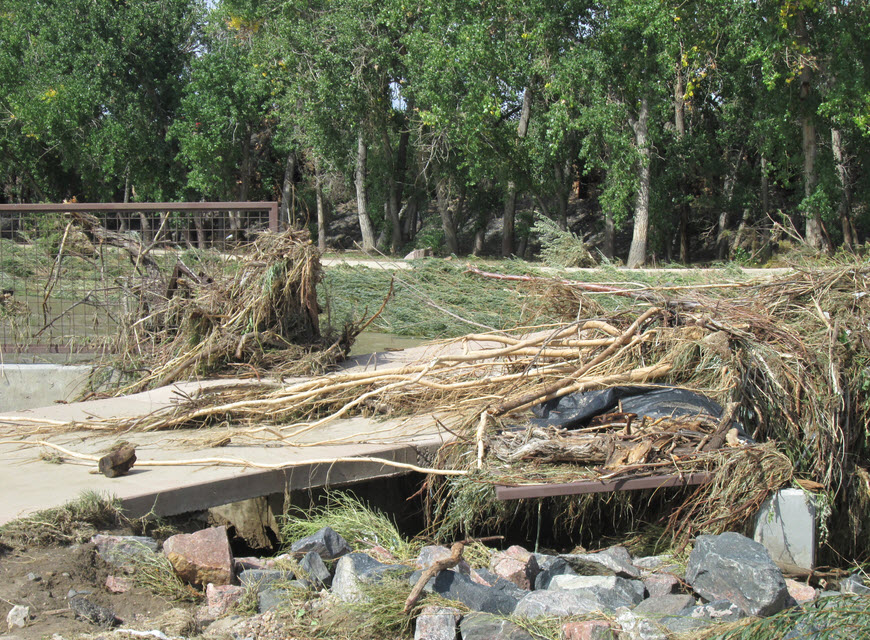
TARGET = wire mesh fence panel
(71,282)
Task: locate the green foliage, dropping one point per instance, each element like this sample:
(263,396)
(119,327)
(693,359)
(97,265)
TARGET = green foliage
(560,248)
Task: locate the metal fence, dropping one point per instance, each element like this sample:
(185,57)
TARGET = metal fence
(65,287)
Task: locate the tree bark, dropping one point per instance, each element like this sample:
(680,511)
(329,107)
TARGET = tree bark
(510,203)
(563,191)
(365,222)
(608,247)
(845,207)
(637,252)
(723,242)
(680,128)
(288,187)
(322,219)
(815,236)
(765,187)
(448,221)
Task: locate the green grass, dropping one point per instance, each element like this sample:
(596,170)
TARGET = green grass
(354,520)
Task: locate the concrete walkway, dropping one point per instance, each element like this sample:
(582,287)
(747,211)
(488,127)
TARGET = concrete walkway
(30,483)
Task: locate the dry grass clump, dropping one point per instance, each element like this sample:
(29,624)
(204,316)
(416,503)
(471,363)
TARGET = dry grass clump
(264,314)
(72,523)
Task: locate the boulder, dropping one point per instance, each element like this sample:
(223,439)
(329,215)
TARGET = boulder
(262,579)
(517,566)
(118,584)
(220,599)
(537,604)
(660,584)
(436,623)
(356,569)
(587,630)
(800,592)
(201,557)
(273,597)
(854,584)
(481,626)
(477,597)
(717,611)
(610,592)
(634,627)
(615,561)
(668,605)
(488,579)
(124,551)
(550,566)
(432,553)
(316,576)
(241,564)
(735,568)
(652,563)
(326,542)
(18,617)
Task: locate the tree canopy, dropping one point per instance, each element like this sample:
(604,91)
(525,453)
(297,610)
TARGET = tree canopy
(453,124)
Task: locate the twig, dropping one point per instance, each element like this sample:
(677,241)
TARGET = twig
(436,567)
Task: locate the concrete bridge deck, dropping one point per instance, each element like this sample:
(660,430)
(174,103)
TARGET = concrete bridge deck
(29,483)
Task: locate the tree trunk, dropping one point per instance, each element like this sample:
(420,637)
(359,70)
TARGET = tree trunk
(200,230)
(448,221)
(563,191)
(637,252)
(608,247)
(288,188)
(680,128)
(510,202)
(365,222)
(765,187)
(845,207)
(815,236)
(723,242)
(322,219)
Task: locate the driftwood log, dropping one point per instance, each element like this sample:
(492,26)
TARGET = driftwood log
(118,462)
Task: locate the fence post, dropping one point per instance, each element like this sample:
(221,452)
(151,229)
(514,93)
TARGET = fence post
(273,217)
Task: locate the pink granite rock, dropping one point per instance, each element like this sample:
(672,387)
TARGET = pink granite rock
(201,557)
(508,565)
(436,623)
(222,598)
(243,564)
(661,584)
(799,591)
(587,630)
(380,554)
(118,584)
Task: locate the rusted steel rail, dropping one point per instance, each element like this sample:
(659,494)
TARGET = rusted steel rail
(114,207)
(600,486)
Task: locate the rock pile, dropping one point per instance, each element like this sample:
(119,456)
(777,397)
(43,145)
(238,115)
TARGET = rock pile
(728,577)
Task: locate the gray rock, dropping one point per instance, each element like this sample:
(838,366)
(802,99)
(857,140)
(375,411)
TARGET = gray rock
(610,562)
(499,583)
(124,551)
(735,568)
(326,542)
(92,612)
(854,584)
(272,598)
(436,623)
(317,576)
(263,579)
(652,563)
(661,584)
(536,604)
(718,611)
(432,553)
(32,577)
(18,616)
(477,597)
(635,627)
(669,605)
(610,592)
(480,626)
(356,569)
(551,566)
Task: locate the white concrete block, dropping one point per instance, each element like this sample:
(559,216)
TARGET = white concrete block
(786,525)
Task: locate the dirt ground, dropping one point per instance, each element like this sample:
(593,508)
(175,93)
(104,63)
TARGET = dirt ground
(41,578)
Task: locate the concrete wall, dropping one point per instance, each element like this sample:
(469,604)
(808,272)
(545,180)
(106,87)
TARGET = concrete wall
(27,386)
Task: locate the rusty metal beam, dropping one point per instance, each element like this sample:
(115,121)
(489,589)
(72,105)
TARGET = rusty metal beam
(600,486)
(145,206)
